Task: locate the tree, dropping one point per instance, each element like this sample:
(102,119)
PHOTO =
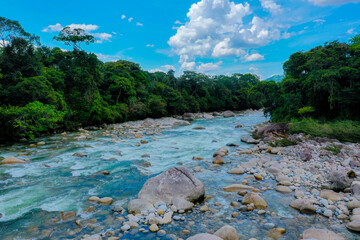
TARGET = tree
(9,30)
(74,37)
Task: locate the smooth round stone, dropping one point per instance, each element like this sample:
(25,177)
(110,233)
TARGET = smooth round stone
(177,218)
(261,212)
(328,213)
(154,228)
(125,228)
(269,225)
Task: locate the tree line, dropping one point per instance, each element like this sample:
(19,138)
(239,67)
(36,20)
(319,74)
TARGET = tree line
(45,90)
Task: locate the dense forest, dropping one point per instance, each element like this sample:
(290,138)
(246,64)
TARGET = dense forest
(44,90)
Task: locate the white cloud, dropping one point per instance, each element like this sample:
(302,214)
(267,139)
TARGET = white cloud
(254,69)
(53,28)
(206,67)
(156,70)
(86,27)
(178,22)
(123,16)
(319,21)
(169,67)
(332,2)
(102,36)
(150,45)
(350,31)
(219,29)
(130,19)
(253,57)
(271,6)
(139,24)
(164,69)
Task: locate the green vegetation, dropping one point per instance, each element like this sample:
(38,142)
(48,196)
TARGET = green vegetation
(346,130)
(336,149)
(43,90)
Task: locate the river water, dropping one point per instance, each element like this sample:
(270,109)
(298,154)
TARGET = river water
(32,195)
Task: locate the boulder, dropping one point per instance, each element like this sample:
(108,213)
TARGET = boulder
(250,140)
(136,205)
(12,160)
(204,236)
(188,117)
(331,195)
(303,205)
(355,189)
(305,156)
(227,233)
(182,204)
(175,182)
(79,154)
(354,225)
(254,198)
(281,128)
(208,116)
(228,114)
(237,188)
(321,234)
(218,160)
(237,171)
(339,180)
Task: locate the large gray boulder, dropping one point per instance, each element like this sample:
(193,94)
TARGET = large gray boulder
(339,180)
(136,205)
(228,114)
(204,236)
(188,117)
(177,182)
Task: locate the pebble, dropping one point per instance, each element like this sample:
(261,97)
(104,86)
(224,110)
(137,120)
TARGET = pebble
(154,228)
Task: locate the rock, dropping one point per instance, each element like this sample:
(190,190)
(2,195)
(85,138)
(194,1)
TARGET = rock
(204,236)
(355,189)
(105,200)
(101,173)
(204,208)
(303,205)
(208,116)
(145,156)
(188,117)
(40,143)
(199,128)
(69,215)
(79,154)
(250,140)
(167,217)
(321,234)
(237,171)
(228,114)
(259,177)
(354,225)
(144,142)
(237,188)
(232,145)
(328,213)
(281,128)
(175,182)
(136,205)
(125,228)
(227,233)
(305,156)
(254,198)
(197,169)
(331,195)
(218,160)
(353,204)
(182,204)
(94,198)
(197,158)
(239,126)
(93,237)
(283,189)
(154,228)
(339,180)
(12,160)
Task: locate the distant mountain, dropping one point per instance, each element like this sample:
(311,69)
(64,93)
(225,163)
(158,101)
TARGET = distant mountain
(276,78)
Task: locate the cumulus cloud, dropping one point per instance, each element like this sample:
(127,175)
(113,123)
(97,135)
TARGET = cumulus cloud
(350,31)
(178,22)
(254,69)
(332,2)
(88,28)
(139,24)
(169,67)
(206,67)
(123,16)
(130,19)
(220,28)
(271,6)
(253,57)
(53,28)
(164,69)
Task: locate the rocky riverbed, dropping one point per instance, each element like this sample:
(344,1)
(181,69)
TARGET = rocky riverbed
(181,179)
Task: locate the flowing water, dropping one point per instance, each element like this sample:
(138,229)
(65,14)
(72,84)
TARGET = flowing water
(32,195)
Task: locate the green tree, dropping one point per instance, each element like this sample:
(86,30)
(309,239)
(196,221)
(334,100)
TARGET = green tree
(74,37)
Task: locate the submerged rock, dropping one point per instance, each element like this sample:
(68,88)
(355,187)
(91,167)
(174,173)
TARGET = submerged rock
(237,188)
(177,182)
(79,154)
(303,205)
(254,198)
(12,160)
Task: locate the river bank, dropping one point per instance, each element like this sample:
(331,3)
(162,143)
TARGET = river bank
(116,162)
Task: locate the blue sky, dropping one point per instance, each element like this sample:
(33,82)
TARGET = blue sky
(209,36)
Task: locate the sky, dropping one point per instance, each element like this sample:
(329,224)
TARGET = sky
(208,36)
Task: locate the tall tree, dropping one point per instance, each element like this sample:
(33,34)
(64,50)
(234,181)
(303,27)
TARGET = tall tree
(74,37)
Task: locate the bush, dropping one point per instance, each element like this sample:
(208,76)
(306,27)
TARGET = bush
(282,143)
(30,121)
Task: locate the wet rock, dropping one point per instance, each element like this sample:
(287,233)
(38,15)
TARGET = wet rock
(136,205)
(237,171)
(204,236)
(321,234)
(145,156)
(144,142)
(204,208)
(79,154)
(12,160)
(237,188)
(69,215)
(105,200)
(167,217)
(182,204)
(197,158)
(239,126)
(188,117)
(227,233)
(94,198)
(40,143)
(339,180)
(197,169)
(232,145)
(354,225)
(354,204)
(303,205)
(125,228)
(218,160)
(228,114)
(208,116)
(93,237)
(283,189)
(199,128)
(101,173)
(254,198)
(331,195)
(250,140)
(175,182)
